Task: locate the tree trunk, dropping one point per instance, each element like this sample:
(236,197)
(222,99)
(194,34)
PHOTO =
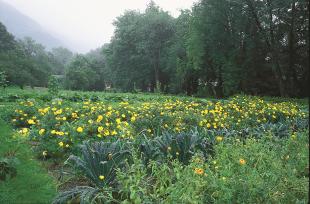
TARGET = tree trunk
(156,68)
(278,71)
(271,46)
(292,54)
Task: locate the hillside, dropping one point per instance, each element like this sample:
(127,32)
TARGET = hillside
(21,26)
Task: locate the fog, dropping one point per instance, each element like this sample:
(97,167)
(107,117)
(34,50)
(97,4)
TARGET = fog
(86,24)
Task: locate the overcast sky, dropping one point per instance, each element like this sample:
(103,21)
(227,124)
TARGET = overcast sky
(87,24)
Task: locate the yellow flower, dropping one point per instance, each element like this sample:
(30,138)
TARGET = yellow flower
(58,112)
(61,144)
(106,133)
(133,119)
(199,171)
(101,177)
(60,133)
(293,136)
(79,129)
(242,161)
(99,118)
(31,122)
(118,120)
(74,115)
(53,132)
(100,129)
(41,132)
(219,138)
(24,131)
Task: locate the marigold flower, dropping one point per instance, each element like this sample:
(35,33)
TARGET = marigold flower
(199,171)
(242,161)
(31,122)
(99,118)
(41,131)
(219,138)
(24,131)
(61,144)
(79,129)
(118,120)
(100,129)
(101,177)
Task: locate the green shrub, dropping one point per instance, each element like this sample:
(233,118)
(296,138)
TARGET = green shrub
(265,170)
(275,170)
(98,163)
(53,86)
(180,146)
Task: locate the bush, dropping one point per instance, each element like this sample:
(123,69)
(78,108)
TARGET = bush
(98,163)
(53,86)
(266,170)
(180,146)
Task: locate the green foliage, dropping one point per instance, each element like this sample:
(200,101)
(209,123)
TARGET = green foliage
(53,86)
(86,72)
(259,155)
(98,163)
(136,57)
(30,182)
(275,170)
(217,48)
(3,80)
(175,146)
(7,168)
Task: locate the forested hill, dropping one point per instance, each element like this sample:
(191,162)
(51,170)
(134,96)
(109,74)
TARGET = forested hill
(22,26)
(218,48)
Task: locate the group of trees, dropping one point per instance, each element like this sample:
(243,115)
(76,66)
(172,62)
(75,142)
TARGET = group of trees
(25,62)
(218,48)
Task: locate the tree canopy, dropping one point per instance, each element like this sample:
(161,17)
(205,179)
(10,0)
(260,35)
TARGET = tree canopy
(217,48)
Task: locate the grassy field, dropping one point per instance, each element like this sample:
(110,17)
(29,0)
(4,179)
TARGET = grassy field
(146,148)
(31,184)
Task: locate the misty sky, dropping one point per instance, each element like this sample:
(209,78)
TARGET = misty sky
(86,24)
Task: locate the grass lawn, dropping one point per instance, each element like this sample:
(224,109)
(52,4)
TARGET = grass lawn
(32,184)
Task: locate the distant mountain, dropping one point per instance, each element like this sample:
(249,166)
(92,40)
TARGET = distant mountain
(22,26)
